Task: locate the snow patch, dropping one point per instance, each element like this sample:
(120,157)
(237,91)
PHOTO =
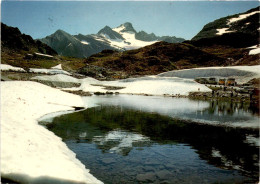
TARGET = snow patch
(45,55)
(57,77)
(254,51)
(240,17)
(85,42)
(29,152)
(223,31)
(5,67)
(250,139)
(48,71)
(152,85)
(240,73)
(233,20)
(252,47)
(58,67)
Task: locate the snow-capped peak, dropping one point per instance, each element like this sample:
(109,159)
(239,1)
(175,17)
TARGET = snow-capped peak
(126,27)
(129,41)
(119,28)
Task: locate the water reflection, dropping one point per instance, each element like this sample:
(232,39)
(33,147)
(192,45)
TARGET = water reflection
(158,148)
(220,113)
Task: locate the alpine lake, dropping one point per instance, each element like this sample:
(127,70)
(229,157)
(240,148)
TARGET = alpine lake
(152,139)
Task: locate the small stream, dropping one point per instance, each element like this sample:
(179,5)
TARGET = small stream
(147,139)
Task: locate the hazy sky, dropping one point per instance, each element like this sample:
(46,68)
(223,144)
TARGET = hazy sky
(181,19)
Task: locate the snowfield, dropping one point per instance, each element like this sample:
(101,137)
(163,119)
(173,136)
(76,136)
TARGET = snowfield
(29,152)
(242,74)
(151,85)
(57,77)
(32,154)
(168,83)
(54,70)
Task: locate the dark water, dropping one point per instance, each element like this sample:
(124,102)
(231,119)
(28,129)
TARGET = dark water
(129,142)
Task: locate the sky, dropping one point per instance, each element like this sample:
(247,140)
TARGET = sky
(172,18)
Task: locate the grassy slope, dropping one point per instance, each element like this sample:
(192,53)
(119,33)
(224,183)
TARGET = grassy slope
(156,58)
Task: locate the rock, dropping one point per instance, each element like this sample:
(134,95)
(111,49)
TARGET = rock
(99,93)
(163,174)
(150,176)
(146,177)
(109,93)
(108,160)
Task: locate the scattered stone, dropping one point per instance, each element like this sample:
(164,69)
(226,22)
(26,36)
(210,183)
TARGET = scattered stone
(79,92)
(99,93)
(163,174)
(109,93)
(108,87)
(108,160)
(150,176)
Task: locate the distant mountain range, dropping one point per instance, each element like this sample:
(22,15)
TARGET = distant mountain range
(223,42)
(123,37)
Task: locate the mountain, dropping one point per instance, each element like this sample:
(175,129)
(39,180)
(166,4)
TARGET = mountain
(110,34)
(225,42)
(240,30)
(12,40)
(76,46)
(123,37)
(22,50)
(153,59)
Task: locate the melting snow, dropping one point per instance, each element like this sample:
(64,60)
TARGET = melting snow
(240,73)
(54,70)
(240,17)
(57,77)
(232,20)
(29,152)
(223,31)
(48,71)
(254,51)
(5,67)
(57,67)
(152,85)
(45,55)
(84,42)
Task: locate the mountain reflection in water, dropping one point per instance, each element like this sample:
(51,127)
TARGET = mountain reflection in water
(128,136)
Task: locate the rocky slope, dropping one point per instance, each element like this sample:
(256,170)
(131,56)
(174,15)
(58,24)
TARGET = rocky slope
(21,50)
(240,30)
(13,39)
(154,59)
(123,37)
